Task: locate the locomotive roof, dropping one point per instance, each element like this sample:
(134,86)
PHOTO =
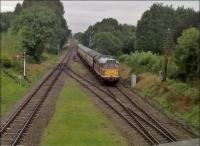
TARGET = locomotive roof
(104,59)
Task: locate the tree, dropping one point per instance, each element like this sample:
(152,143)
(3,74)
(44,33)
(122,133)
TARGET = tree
(122,34)
(129,45)
(191,19)
(37,26)
(107,43)
(18,9)
(61,30)
(187,53)
(79,36)
(6,19)
(152,27)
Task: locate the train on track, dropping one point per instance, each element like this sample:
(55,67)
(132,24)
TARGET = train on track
(105,67)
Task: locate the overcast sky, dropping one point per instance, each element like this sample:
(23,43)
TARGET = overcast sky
(81,14)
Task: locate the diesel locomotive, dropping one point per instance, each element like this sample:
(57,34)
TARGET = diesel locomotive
(105,67)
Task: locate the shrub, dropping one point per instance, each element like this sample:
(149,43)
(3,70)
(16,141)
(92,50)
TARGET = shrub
(124,58)
(148,61)
(6,62)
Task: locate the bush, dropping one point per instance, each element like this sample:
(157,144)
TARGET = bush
(186,53)
(172,69)
(6,62)
(123,58)
(148,61)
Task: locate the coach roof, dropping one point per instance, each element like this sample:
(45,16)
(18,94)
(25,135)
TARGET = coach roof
(89,51)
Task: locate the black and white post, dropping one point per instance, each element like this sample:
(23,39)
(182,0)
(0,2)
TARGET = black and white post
(24,64)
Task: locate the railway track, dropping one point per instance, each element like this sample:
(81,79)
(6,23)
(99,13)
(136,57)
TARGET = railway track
(144,119)
(173,121)
(13,130)
(115,98)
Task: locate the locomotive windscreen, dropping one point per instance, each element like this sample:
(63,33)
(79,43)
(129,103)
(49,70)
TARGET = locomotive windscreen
(111,64)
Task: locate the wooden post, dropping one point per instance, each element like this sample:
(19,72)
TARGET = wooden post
(165,64)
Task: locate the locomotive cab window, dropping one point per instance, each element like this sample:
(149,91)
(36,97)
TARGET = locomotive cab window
(111,64)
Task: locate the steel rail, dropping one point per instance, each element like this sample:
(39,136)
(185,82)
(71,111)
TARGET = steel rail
(58,68)
(35,109)
(188,129)
(152,142)
(28,99)
(168,134)
(165,133)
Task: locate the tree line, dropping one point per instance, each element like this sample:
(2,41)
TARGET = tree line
(39,24)
(109,37)
(160,27)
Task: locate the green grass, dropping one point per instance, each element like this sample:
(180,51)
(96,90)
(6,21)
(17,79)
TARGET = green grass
(77,122)
(12,90)
(179,99)
(78,68)
(10,44)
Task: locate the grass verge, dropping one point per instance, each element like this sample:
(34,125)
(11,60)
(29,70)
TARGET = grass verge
(180,99)
(78,68)
(77,122)
(12,89)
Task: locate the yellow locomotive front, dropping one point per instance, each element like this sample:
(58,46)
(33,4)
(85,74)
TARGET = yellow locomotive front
(107,68)
(111,70)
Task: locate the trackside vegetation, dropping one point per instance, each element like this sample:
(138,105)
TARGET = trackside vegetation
(161,31)
(39,29)
(77,122)
(13,88)
(179,95)
(177,98)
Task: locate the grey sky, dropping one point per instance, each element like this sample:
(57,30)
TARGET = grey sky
(81,14)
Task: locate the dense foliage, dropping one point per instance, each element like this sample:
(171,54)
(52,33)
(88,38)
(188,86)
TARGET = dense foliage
(155,23)
(112,37)
(40,26)
(107,43)
(148,61)
(7,17)
(187,53)
(37,27)
(159,28)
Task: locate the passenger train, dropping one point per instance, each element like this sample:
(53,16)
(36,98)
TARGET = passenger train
(106,68)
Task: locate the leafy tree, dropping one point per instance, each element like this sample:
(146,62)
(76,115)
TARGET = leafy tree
(6,19)
(106,25)
(79,36)
(18,9)
(154,24)
(127,36)
(187,53)
(129,45)
(36,25)
(107,43)
(123,33)
(61,30)
(191,19)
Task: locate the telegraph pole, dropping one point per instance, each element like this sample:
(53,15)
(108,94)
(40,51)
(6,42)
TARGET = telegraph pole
(167,44)
(165,64)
